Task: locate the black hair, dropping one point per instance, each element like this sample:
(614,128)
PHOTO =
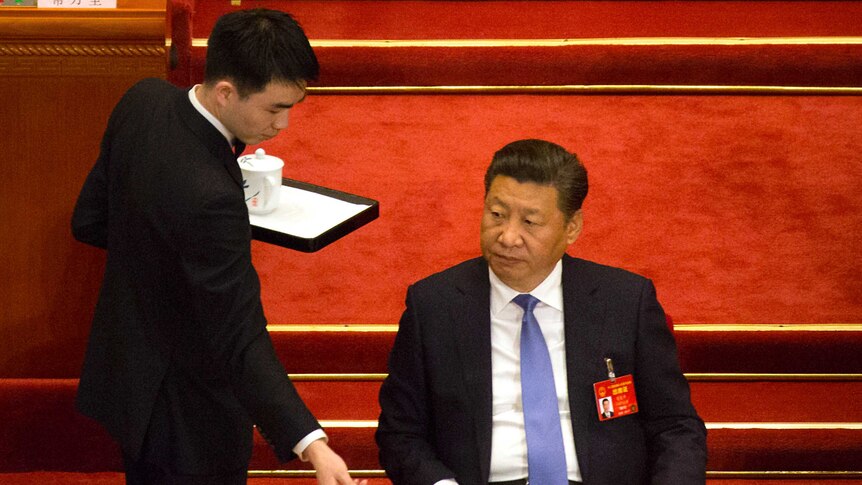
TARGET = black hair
(252,48)
(544,163)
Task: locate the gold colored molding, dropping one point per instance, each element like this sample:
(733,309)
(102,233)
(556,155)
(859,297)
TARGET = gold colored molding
(768,327)
(347,328)
(735,377)
(336,377)
(741,475)
(798,426)
(311,474)
(679,327)
(788,475)
(81,50)
(690,376)
(631,41)
(372,423)
(337,423)
(93,61)
(592,89)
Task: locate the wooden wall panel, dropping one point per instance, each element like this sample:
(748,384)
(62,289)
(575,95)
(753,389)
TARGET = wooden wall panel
(61,72)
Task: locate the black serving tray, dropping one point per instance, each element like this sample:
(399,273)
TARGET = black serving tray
(341,228)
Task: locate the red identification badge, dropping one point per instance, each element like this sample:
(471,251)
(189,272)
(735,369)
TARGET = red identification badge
(616,397)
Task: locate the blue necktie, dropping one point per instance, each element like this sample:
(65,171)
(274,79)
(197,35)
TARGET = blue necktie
(546,456)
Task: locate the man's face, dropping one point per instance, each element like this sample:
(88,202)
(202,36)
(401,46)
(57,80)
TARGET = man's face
(524,233)
(262,115)
(606,406)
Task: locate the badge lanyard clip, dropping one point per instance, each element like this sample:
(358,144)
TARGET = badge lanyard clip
(611,375)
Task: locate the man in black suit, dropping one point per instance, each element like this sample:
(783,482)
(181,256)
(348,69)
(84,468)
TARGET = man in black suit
(452,405)
(179,364)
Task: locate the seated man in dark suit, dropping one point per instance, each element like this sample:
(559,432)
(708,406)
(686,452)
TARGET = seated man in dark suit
(492,374)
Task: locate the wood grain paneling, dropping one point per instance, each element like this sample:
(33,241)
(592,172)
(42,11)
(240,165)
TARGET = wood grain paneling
(61,72)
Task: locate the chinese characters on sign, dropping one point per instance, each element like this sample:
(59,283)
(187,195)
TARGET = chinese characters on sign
(77,3)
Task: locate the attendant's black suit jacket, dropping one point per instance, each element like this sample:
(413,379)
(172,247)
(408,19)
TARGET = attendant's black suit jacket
(436,402)
(178,347)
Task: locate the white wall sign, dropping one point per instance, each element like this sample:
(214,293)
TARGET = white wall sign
(77,4)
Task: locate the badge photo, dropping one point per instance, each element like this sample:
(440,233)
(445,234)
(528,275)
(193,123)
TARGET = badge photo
(615,397)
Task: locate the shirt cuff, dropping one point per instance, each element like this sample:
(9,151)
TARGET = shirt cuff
(315,435)
(448,481)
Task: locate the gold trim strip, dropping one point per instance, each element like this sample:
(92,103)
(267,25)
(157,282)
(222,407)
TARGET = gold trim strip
(679,327)
(311,473)
(591,89)
(768,327)
(337,423)
(778,475)
(715,376)
(365,424)
(346,328)
(690,376)
(89,50)
(762,475)
(805,426)
(337,377)
(624,41)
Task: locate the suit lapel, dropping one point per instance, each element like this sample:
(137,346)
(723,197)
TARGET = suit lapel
(583,315)
(208,135)
(472,319)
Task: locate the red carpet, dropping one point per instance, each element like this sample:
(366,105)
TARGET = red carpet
(742,209)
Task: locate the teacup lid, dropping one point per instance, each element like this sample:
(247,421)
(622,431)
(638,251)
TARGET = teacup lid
(259,160)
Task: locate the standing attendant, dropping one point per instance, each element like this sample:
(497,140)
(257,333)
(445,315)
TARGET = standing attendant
(499,362)
(179,364)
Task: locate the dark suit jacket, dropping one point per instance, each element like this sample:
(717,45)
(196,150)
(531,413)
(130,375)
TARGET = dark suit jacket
(179,342)
(436,402)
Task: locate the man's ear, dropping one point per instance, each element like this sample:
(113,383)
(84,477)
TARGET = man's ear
(574,226)
(225,92)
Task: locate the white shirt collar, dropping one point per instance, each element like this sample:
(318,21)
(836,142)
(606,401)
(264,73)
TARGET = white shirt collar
(549,291)
(209,116)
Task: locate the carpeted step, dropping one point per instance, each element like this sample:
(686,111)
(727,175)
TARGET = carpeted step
(754,349)
(753,426)
(563,62)
(117,478)
(402,43)
(783,349)
(113,478)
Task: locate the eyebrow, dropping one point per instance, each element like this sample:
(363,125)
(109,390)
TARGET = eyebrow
(288,106)
(526,210)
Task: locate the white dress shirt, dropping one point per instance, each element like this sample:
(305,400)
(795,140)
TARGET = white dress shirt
(508,438)
(317,434)
(209,116)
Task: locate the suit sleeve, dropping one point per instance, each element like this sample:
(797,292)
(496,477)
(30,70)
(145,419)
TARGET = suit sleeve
(676,436)
(407,452)
(230,325)
(90,217)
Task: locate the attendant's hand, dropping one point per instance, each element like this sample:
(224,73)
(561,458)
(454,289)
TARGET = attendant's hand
(330,468)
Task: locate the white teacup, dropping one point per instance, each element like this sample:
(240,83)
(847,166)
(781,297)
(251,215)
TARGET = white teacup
(261,174)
